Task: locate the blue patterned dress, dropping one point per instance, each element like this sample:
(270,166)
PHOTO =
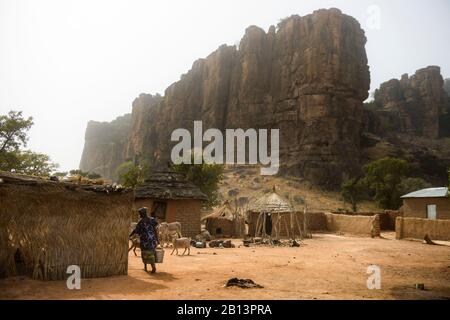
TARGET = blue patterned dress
(146,229)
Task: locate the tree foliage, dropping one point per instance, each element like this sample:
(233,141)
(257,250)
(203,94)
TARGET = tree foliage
(13,136)
(352,192)
(13,131)
(384,177)
(408,185)
(205,176)
(131,175)
(33,163)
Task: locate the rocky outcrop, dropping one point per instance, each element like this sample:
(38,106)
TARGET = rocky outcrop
(413,105)
(447,86)
(408,119)
(307,78)
(105,146)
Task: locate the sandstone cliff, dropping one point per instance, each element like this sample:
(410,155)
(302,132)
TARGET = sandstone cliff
(105,146)
(413,104)
(409,118)
(308,78)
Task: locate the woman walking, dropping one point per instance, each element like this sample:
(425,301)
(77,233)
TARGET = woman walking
(146,229)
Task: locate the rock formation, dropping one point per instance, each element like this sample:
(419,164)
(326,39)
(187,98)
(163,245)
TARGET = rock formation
(447,86)
(409,118)
(105,146)
(413,105)
(308,77)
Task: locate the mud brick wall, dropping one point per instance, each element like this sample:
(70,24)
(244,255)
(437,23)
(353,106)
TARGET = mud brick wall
(417,228)
(188,213)
(360,225)
(387,218)
(317,221)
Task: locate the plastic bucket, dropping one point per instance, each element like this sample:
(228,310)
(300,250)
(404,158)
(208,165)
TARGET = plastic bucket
(159,256)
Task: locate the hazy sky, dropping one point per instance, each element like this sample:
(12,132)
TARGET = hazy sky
(67,62)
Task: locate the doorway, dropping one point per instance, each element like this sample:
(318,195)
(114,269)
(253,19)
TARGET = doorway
(160,210)
(431,211)
(268,224)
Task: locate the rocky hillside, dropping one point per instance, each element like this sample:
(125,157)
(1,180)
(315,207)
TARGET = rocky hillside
(307,77)
(409,118)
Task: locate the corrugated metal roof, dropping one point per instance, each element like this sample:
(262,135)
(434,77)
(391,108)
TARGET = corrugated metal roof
(428,193)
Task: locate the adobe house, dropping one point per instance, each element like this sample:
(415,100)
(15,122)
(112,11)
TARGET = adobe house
(431,203)
(175,199)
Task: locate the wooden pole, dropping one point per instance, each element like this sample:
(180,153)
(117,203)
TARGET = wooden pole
(298,226)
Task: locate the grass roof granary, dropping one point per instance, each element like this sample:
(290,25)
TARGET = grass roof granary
(175,199)
(225,221)
(274,216)
(46,226)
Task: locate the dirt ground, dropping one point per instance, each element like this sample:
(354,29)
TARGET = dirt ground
(326,267)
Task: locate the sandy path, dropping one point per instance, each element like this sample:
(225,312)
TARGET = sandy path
(325,267)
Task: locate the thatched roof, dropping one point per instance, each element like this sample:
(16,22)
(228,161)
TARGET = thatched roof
(226,211)
(57,224)
(19,179)
(272,202)
(168,185)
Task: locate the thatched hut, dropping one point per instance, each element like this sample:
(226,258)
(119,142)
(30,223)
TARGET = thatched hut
(274,216)
(225,221)
(46,226)
(174,198)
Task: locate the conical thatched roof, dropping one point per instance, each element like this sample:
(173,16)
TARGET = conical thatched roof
(226,211)
(168,185)
(272,202)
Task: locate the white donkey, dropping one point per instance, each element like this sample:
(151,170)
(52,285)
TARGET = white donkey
(167,230)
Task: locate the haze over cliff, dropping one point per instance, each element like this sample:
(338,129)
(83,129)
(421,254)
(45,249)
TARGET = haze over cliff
(308,77)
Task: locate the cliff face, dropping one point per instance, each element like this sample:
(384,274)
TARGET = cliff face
(414,105)
(308,79)
(410,119)
(105,145)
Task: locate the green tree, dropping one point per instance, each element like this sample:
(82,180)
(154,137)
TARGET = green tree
(131,175)
(352,191)
(384,176)
(33,163)
(13,137)
(408,185)
(205,176)
(13,131)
